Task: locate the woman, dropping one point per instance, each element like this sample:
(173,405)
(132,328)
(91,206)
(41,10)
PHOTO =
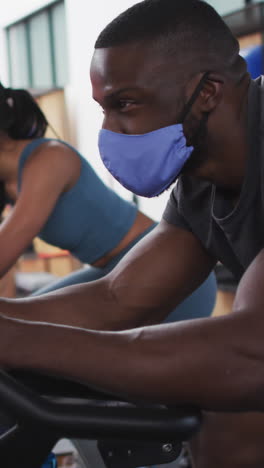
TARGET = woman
(57,196)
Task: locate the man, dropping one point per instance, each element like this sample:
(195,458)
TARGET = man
(162,71)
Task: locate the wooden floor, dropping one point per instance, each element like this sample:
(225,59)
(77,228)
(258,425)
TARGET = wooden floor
(224,303)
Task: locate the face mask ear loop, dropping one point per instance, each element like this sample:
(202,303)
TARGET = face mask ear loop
(193,98)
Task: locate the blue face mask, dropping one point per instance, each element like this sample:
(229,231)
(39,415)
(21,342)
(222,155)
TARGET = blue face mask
(147,164)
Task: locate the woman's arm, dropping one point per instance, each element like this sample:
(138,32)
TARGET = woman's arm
(47,174)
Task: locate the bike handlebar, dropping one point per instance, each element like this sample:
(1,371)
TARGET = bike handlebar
(74,410)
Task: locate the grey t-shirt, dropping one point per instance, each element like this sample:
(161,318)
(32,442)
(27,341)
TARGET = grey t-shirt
(232,235)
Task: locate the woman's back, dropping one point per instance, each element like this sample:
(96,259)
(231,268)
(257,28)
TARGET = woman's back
(89,219)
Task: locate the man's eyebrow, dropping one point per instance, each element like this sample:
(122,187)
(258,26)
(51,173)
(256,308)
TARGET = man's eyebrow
(107,98)
(115,94)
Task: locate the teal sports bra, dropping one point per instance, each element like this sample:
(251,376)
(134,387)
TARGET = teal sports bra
(90,219)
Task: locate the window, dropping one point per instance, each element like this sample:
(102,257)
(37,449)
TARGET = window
(224,7)
(37,49)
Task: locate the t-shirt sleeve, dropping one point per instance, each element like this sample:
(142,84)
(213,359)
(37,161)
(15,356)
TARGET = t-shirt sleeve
(171,213)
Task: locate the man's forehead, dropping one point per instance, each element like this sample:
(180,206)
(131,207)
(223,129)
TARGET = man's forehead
(124,66)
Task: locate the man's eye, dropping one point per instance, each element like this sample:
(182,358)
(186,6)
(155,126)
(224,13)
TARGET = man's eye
(125,103)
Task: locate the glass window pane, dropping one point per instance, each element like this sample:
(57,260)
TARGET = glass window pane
(18,56)
(59,43)
(40,46)
(223,7)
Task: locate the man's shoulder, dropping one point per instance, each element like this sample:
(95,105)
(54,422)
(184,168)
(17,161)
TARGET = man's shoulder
(190,201)
(190,205)
(189,189)
(256,93)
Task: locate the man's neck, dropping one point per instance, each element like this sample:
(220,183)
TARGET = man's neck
(228,146)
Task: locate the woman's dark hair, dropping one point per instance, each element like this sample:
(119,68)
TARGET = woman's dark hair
(20,115)
(20,118)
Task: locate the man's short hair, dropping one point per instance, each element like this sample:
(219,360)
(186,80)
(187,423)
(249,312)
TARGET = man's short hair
(189,30)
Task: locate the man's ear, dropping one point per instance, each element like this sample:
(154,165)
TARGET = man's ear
(211,93)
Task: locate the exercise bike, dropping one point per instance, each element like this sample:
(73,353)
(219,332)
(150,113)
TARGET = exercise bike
(42,409)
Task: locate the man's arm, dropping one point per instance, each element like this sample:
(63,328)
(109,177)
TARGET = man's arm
(216,363)
(155,276)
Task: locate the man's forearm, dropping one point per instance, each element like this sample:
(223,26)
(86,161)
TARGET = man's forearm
(73,306)
(197,362)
